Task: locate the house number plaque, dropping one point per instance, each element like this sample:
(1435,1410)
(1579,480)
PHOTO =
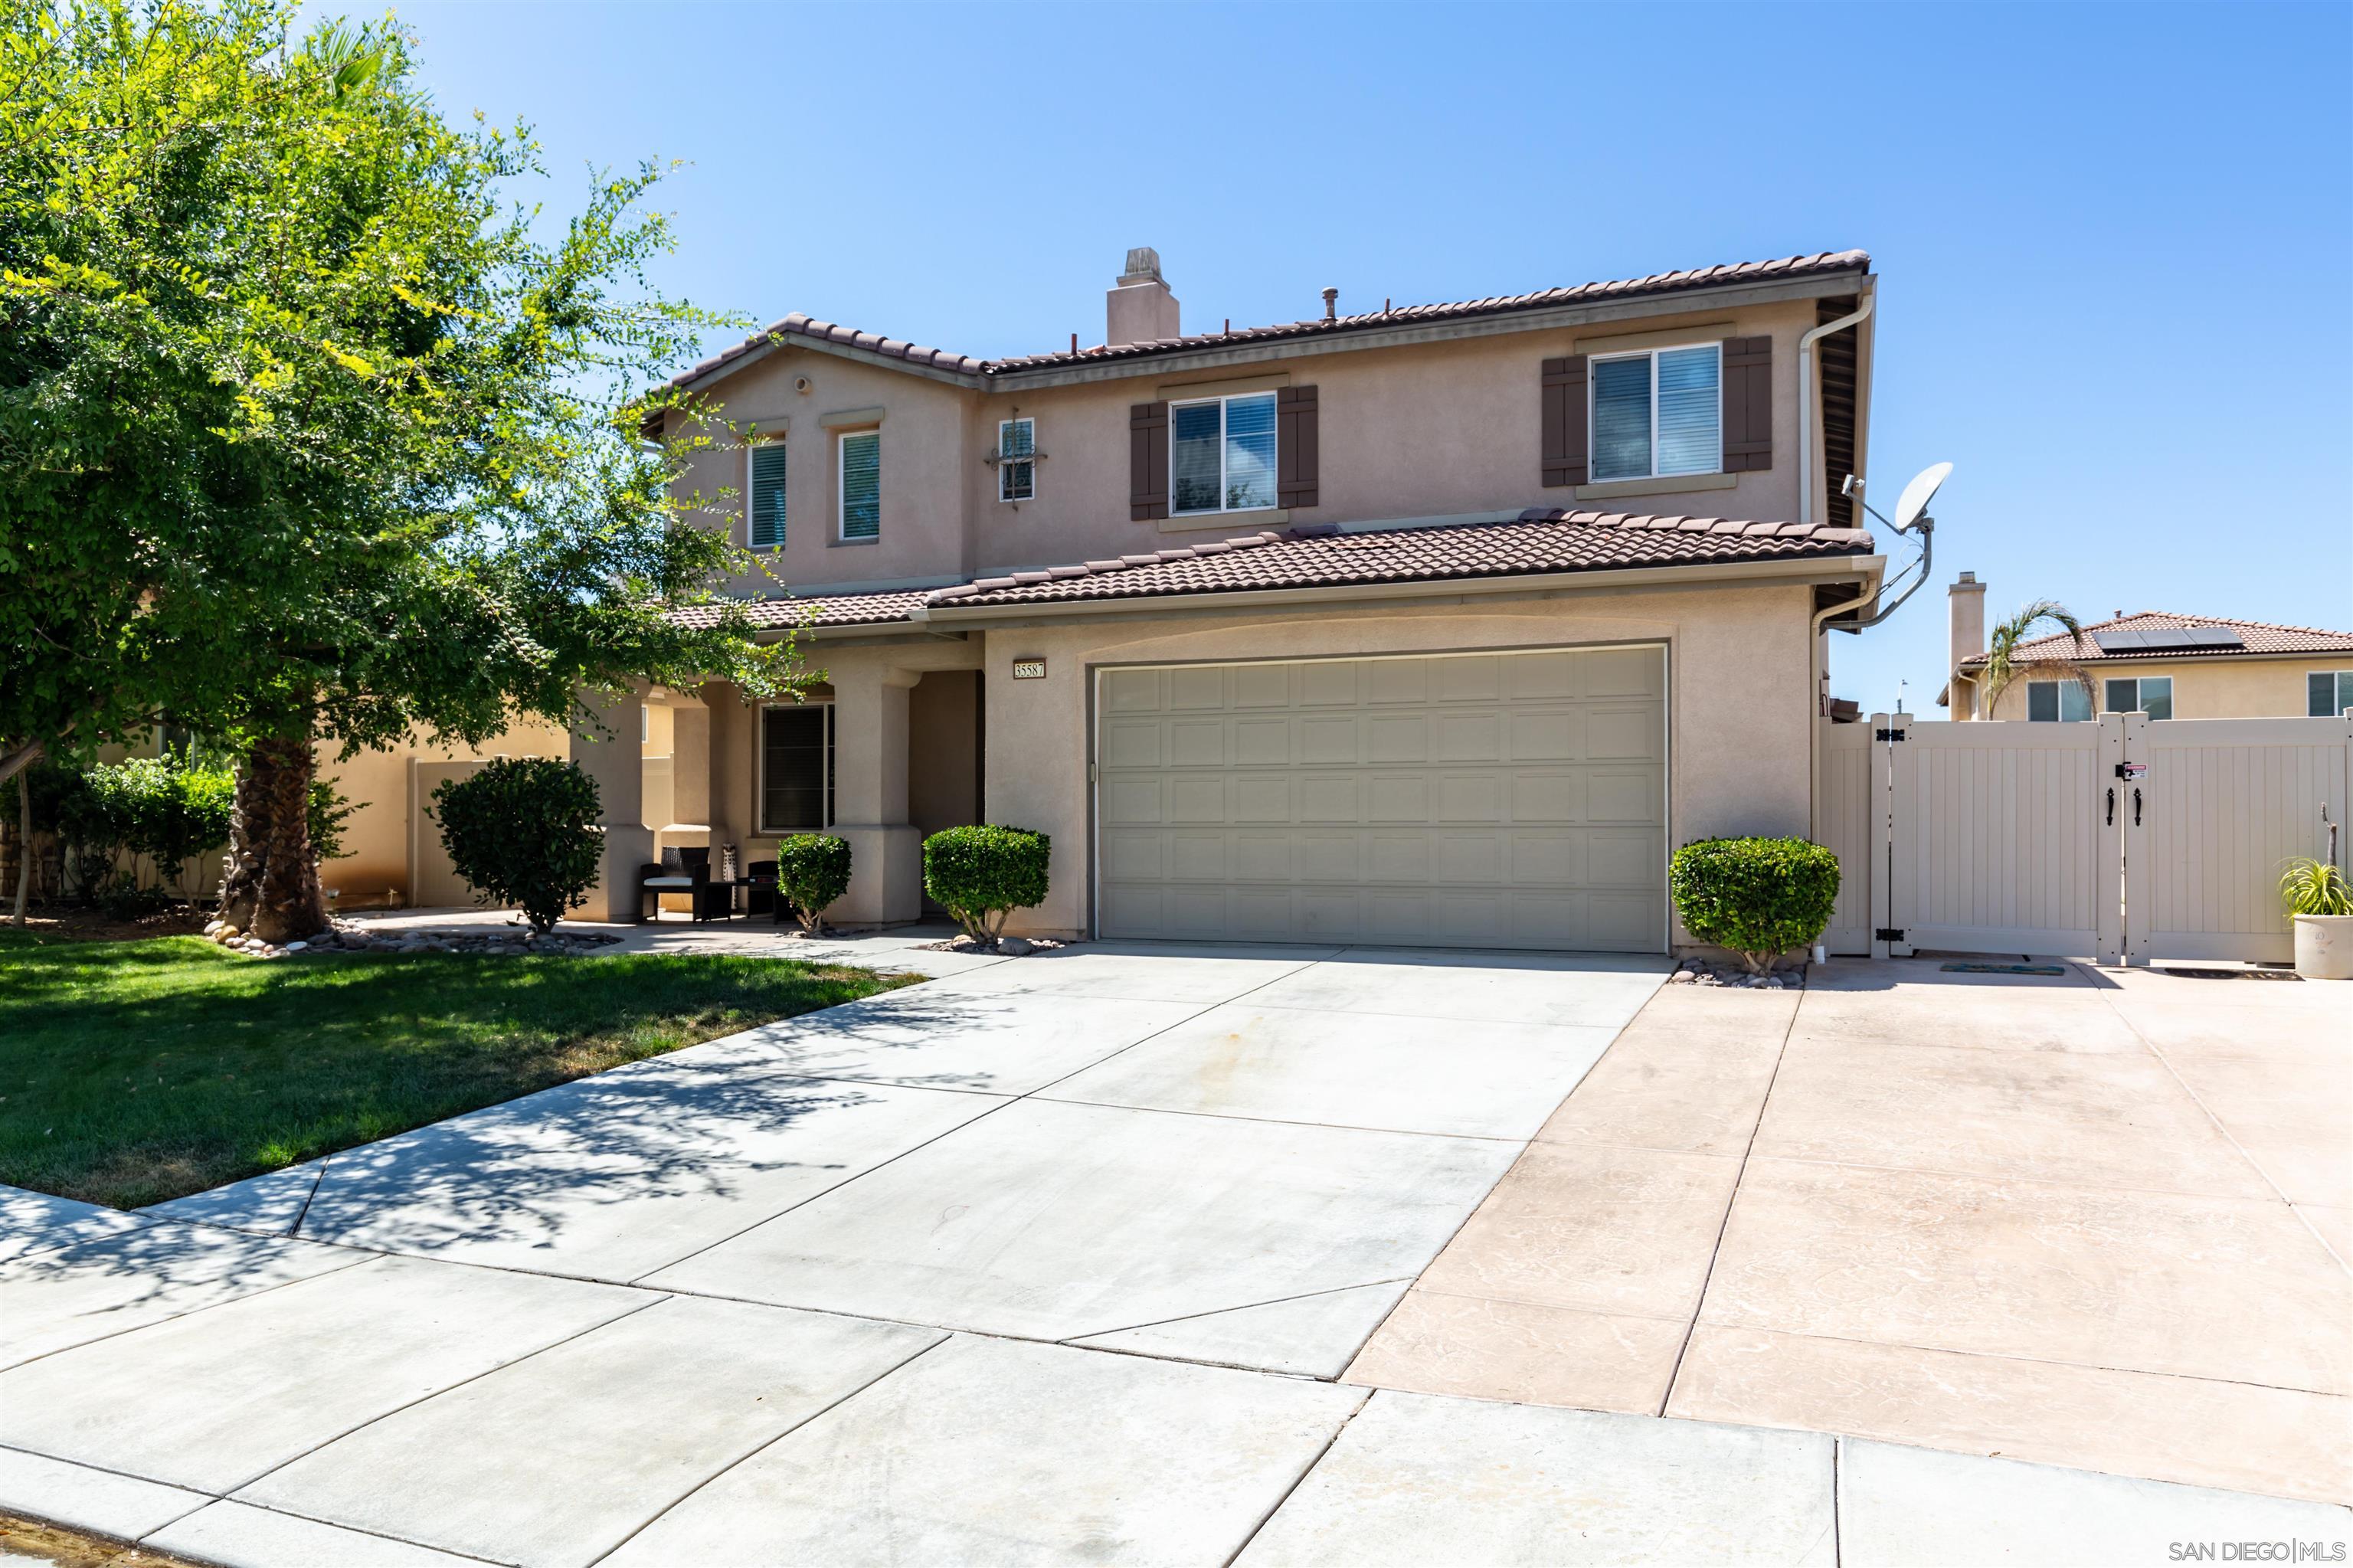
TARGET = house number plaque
(1029,669)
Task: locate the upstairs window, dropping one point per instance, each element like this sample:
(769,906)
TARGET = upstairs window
(763,504)
(2150,695)
(2328,692)
(1017,469)
(861,485)
(2058,702)
(1221,454)
(1657,413)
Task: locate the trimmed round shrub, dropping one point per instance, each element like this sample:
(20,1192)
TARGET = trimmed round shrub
(1760,898)
(982,874)
(522,833)
(812,871)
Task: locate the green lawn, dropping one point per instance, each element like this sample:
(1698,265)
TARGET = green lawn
(133,1071)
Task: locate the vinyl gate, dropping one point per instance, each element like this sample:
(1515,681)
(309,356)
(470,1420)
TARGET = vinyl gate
(2126,840)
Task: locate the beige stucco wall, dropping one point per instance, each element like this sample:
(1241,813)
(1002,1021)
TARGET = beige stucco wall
(2212,688)
(373,869)
(1739,705)
(1442,429)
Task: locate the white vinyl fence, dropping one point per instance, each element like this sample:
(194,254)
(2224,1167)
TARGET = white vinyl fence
(2127,840)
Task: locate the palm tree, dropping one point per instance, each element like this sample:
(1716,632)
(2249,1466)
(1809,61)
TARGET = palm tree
(2003,665)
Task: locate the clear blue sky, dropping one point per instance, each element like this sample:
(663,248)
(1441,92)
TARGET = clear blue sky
(2113,241)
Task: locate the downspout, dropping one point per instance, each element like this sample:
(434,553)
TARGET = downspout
(1817,666)
(1806,400)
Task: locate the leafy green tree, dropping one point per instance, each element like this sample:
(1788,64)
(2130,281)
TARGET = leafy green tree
(309,431)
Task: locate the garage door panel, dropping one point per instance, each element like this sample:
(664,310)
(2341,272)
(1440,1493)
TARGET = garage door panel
(1548,735)
(1196,798)
(1200,687)
(1468,737)
(1331,798)
(1388,682)
(1541,859)
(1261,743)
(1399,857)
(1133,800)
(1551,796)
(1397,797)
(1623,672)
(1621,734)
(1489,799)
(1329,740)
(1470,798)
(1134,691)
(1622,795)
(1397,737)
(1262,685)
(1476,858)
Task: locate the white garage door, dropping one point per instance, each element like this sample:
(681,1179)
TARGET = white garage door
(1494,799)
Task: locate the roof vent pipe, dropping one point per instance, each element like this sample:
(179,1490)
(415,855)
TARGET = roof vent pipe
(1807,417)
(1331,304)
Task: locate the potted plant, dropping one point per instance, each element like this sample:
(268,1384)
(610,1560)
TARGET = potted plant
(2321,899)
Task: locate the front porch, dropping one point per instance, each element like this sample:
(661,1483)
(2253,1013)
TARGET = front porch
(887,750)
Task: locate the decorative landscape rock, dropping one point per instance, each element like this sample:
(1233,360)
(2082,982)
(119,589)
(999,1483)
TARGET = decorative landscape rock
(1699,972)
(349,936)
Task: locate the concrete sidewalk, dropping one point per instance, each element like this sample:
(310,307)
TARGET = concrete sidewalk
(1052,1260)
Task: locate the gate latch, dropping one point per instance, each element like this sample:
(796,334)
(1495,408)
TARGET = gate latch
(1888,735)
(2131,769)
(1889,934)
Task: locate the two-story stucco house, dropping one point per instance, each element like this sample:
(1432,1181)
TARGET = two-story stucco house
(1433,624)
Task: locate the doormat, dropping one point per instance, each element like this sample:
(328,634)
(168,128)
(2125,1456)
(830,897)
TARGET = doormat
(2005,969)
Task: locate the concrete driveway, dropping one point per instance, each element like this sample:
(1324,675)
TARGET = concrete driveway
(1055,1259)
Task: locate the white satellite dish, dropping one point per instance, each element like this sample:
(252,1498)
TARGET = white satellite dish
(1918,494)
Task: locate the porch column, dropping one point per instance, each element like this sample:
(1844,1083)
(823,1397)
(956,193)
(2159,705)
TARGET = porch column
(870,793)
(616,760)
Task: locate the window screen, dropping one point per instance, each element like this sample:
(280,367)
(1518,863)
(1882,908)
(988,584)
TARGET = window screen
(1221,454)
(2057,701)
(861,485)
(796,768)
(766,505)
(2328,692)
(1659,414)
(1017,475)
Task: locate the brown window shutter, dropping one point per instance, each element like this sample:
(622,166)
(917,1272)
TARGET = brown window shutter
(1566,460)
(1147,461)
(1296,439)
(1747,404)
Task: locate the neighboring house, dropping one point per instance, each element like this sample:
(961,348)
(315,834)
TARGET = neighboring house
(1435,624)
(2156,663)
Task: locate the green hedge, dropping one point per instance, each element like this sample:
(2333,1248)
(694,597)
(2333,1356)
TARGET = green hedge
(812,871)
(523,831)
(982,874)
(1760,898)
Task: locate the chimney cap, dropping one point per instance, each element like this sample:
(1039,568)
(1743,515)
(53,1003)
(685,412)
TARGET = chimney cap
(1331,304)
(1966,581)
(1143,265)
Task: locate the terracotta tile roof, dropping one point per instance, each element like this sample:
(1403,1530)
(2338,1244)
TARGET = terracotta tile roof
(1540,540)
(799,325)
(824,610)
(2255,636)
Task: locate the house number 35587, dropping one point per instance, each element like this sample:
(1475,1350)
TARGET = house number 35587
(1029,669)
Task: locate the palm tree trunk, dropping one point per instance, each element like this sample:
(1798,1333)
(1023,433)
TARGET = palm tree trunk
(271,887)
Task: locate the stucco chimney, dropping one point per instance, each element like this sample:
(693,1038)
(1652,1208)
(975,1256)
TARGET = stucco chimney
(1965,599)
(1140,309)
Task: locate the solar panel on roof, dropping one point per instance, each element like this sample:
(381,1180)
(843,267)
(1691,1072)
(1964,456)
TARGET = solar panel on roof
(2146,639)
